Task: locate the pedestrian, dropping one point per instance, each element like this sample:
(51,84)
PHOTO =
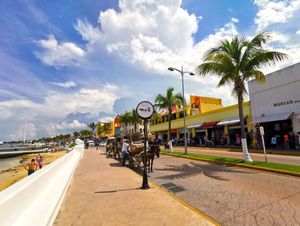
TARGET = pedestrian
(125,151)
(286,141)
(96,144)
(31,167)
(39,160)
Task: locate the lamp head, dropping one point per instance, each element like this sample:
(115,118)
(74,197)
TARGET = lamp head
(191,73)
(170,69)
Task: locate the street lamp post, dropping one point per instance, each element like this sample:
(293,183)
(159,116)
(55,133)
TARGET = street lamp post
(182,72)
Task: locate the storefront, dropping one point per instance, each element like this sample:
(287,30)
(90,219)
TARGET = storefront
(275,105)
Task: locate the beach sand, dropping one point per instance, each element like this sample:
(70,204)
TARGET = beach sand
(14,174)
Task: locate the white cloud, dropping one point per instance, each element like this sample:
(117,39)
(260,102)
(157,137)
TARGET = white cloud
(59,54)
(48,115)
(298,32)
(53,128)
(68,84)
(88,32)
(31,132)
(273,12)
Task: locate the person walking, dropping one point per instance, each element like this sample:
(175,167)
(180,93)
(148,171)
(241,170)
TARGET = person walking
(39,160)
(96,144)
(286,141)
(125,151)
(31,167)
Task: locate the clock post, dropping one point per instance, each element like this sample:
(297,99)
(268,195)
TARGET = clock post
(145,111)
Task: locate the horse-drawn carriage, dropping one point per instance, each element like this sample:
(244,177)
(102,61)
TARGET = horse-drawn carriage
(113,147)
(136,152)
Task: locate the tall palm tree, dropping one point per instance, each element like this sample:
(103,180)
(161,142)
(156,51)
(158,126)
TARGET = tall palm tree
(125,119)
(93,126)
(237,61)
(135,119)
(167,102)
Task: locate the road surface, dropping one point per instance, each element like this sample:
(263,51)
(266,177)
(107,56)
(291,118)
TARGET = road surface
(231,195)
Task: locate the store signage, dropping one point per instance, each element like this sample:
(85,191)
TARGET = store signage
(145,109)
(286,102)
(261,129)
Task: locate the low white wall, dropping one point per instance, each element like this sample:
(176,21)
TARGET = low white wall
(35,200)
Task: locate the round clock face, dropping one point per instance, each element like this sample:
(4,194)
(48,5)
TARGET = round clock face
(145,109)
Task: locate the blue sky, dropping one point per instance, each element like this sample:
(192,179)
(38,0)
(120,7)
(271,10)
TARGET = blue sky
(66,63)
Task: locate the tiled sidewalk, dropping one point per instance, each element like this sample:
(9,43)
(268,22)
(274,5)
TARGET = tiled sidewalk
(105,193)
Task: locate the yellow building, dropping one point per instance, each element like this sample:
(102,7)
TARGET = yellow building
(211,121)
(105,129)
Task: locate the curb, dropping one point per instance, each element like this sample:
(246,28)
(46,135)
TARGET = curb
(193,209)
(238,164)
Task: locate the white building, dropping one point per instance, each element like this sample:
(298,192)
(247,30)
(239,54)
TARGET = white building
(275,104)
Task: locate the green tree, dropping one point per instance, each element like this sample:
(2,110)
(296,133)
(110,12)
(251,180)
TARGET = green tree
(135,119)
(237,61)
(93,126)
(76,134)
(167,102)
(125,119)
(106,127)
(86,133)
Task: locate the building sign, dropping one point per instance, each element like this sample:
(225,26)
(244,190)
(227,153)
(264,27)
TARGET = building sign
(195,102)
(287,102)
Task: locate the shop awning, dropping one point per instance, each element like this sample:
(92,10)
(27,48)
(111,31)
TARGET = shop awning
(195,126)
(209,124)
(228,122)
(271,118)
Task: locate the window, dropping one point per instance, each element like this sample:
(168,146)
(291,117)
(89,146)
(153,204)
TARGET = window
(173,116)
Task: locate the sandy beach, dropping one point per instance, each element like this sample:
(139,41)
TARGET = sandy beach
(12,175)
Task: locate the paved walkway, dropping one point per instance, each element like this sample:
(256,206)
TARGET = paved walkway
(105,193)
(284,159)
(233,196)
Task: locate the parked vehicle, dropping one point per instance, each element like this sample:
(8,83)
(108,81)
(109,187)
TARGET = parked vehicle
(91,143)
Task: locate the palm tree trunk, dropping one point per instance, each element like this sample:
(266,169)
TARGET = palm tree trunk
(169,121)
(246,155)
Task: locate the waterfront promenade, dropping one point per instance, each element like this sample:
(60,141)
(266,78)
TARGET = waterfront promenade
(105,193)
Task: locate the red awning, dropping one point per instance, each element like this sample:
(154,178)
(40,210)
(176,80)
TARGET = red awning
(209,124)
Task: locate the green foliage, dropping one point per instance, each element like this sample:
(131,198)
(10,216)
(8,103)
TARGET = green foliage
(167,102)
(234,161)
(93,126)
(86,133)
(72,145)
(238,60)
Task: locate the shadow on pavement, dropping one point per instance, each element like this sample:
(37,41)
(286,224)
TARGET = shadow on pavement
(112,191)
(173,187)
(210,170)
(116,164)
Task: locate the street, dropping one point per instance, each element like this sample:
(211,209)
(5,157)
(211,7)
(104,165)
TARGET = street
(284,159)
(231,195)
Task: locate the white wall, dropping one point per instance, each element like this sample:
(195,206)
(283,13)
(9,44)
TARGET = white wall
(36,199)
(271,98)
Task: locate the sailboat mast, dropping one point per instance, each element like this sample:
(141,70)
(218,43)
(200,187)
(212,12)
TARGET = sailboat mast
(25,130)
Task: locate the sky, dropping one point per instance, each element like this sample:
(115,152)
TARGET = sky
(66,63)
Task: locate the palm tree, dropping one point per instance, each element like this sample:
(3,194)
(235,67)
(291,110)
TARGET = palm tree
(106,127)
(93,126)
(135,119)
(125,119)
(236,62)
(167,102)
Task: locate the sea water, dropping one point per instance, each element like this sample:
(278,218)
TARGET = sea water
(6,163)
